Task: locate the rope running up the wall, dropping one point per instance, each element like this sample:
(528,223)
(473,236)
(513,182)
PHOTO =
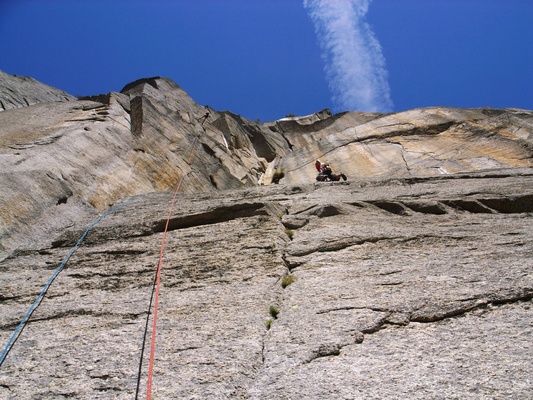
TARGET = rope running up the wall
(40,297)
(159,267)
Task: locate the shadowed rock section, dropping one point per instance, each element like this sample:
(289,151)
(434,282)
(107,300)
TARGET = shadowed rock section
(411,280)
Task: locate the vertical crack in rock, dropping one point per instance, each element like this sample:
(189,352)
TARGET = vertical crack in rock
(402,154)
(410,282)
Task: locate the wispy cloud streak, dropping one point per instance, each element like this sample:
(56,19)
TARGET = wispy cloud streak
(354,63)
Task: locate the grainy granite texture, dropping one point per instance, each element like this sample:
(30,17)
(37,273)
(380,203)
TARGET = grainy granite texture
(413,279)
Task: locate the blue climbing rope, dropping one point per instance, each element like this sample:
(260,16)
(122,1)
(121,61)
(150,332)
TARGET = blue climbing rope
(40,297)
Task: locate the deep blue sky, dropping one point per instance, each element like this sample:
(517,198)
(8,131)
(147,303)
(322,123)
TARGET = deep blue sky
(261,58)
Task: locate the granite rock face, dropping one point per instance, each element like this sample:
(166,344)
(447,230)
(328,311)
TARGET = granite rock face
(421,142)
(89,153)
(413,279)
(21,91)
(84,155)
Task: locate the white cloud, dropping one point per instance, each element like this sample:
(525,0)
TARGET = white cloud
(354,63)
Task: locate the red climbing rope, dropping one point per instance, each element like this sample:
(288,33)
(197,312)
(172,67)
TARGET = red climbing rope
(158,276)
(156,303)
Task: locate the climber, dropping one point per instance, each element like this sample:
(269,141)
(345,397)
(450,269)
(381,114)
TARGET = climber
(326,174)
(204,117)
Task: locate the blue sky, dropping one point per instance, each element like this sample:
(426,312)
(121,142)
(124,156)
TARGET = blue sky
(264,59)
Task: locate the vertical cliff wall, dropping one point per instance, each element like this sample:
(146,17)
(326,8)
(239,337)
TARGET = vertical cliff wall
(412,279)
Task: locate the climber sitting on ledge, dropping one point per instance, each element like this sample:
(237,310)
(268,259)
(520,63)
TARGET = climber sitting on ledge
(326,174)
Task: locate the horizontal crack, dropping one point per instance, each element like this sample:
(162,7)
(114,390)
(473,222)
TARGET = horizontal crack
(82,312)
(121,252)
(4,298)
(214,216)
(348,308)
(434,313)
(186,349)
(325,350)
(221,214)
(91,274)
(344,243)
(336,245)
(405,129)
